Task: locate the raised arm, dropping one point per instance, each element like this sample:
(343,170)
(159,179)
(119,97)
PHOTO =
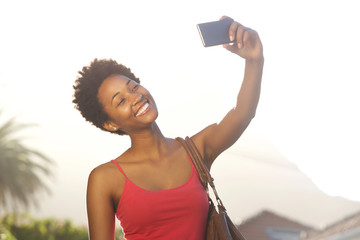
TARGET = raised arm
(216,138)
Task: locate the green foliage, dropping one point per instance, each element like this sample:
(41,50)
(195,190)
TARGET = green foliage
(25,227)
(5,234)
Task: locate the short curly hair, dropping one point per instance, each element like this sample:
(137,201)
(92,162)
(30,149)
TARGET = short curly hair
(86,88)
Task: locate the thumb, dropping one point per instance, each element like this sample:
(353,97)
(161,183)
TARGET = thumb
(232,48)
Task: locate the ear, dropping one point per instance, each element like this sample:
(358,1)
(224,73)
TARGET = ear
(110,126)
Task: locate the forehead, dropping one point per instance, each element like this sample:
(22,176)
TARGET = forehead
(113,82)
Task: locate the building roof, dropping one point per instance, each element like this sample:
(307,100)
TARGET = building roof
(346,225)
(256,227)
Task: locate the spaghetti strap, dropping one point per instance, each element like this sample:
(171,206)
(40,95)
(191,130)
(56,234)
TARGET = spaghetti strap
(191,161)
(118,166)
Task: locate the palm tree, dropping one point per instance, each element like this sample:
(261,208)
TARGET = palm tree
(20,168)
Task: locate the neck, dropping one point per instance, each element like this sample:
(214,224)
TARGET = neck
(151,141)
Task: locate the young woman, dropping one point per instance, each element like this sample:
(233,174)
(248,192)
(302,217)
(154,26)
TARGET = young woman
(153,187)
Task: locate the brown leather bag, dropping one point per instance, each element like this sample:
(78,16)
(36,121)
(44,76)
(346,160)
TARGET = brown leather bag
(219,225)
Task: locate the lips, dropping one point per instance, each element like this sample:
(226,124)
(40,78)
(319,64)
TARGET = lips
(143,109)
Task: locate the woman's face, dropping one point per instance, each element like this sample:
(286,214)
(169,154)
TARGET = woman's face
(130,106)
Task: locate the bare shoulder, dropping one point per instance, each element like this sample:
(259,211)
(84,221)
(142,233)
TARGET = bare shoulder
(203,141)
(105,176)
(102,171)
(200,139)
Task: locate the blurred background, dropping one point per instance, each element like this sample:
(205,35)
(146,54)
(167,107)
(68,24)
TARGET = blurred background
(299,157)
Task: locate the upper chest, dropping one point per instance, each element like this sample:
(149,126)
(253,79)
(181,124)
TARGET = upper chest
(159,174)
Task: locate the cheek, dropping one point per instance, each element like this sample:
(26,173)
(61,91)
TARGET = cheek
(154,112)
(118,115)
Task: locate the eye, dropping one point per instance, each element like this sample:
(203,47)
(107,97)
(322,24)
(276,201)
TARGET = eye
(120,102)
(135,86)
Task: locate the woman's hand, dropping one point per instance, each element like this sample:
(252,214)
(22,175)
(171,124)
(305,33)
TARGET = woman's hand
(247,43)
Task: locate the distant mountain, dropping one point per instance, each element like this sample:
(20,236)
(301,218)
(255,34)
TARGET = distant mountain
(253,176)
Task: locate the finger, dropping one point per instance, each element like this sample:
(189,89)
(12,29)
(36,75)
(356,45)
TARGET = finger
(232,48)
(232,30)
(240,35)
(224,17)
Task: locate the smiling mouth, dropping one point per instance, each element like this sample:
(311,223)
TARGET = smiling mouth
(143,109)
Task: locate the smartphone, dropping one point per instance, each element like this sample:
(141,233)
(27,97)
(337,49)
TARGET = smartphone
(215,33)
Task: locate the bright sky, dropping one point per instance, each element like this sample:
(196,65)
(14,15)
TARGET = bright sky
(310,100)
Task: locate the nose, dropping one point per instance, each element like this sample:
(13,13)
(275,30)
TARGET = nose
(137,98)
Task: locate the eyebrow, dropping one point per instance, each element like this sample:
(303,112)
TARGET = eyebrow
(117,93)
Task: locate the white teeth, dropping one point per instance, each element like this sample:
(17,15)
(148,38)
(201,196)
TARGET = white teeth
(142,109)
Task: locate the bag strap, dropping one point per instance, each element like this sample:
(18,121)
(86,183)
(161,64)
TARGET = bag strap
(202,169)
(196,162)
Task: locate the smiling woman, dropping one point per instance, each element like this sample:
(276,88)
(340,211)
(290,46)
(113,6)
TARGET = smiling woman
(153,187)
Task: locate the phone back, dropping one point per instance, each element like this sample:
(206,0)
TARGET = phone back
(215,33)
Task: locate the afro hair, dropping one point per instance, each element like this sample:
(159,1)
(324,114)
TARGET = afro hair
(86,89)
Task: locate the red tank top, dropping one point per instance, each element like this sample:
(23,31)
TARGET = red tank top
(172,214)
